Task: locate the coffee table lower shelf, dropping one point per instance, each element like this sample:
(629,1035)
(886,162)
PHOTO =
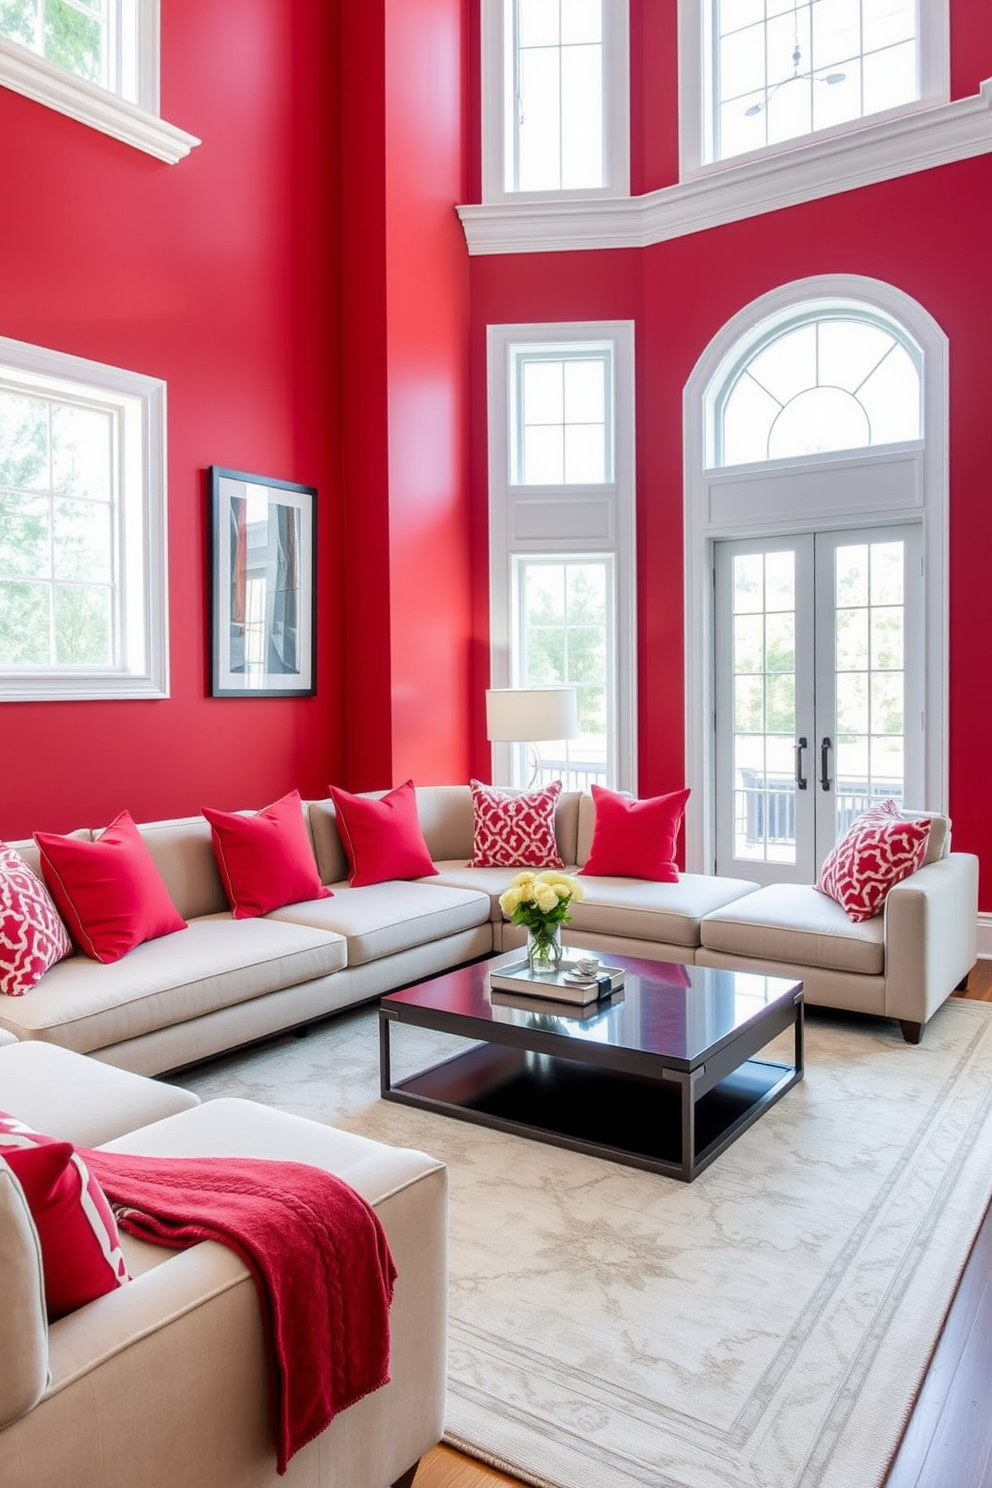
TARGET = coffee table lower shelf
(624,1117)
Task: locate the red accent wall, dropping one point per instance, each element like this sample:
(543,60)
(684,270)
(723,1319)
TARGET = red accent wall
(218,274)
(405,322)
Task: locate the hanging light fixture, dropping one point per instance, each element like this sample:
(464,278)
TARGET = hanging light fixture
(797,57)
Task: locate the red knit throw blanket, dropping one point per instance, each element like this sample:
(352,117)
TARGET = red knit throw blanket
(317,1252)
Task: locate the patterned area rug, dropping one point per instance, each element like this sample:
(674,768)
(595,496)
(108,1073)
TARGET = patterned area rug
(766,1326)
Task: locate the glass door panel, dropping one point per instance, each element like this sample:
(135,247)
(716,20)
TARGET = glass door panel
(818,692)
(763,823)
(871,672)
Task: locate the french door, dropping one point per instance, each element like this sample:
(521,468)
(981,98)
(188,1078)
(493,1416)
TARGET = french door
(819,691)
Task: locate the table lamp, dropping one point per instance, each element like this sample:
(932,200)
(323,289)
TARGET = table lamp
(527,715)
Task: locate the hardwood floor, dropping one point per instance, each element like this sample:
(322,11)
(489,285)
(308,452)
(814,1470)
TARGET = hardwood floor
(948,1439)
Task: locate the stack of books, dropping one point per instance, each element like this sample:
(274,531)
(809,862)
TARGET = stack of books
(581,982)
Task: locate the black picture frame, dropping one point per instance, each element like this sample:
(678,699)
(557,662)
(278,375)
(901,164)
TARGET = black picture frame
(263,590)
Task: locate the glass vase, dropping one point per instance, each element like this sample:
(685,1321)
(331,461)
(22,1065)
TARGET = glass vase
(544,948)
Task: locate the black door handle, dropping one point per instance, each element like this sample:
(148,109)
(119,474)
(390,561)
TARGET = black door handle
(824,764)
(800,777)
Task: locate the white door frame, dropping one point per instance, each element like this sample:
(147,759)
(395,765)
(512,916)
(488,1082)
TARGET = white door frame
(893,483)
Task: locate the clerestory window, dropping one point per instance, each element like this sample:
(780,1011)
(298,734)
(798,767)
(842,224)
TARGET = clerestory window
(773,72)
(96,61)
(555,91)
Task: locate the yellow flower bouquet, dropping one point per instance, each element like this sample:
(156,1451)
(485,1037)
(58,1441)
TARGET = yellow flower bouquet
(540,902)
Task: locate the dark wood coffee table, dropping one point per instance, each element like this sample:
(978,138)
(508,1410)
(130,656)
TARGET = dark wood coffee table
(663,1075)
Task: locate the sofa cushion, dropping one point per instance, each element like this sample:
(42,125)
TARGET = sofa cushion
(24,1335)
(639,909)
(878,850)
(514,830)
(491,881)
(384,919)
(382,835)
(109,892)
(218,962)
(266,859)
(81,1100)
(795,923)
(81,1254)
(635,839)
(32,936)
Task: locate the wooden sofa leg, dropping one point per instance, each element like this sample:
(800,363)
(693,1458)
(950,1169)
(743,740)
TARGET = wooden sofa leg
(962,985)
(406,1481)
(911,1032)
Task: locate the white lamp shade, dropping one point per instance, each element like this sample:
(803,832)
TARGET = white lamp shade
(525,715)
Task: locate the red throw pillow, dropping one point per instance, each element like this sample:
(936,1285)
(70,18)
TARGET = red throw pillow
(876,852)
(265,860)
(32,937)
(109,892)
(81,1252)
(382,838)
(514,831)
(635,839)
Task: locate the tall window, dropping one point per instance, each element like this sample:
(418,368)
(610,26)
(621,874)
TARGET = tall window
(82,535)
(564,610)
(561,535)
(555,87)
(775,71)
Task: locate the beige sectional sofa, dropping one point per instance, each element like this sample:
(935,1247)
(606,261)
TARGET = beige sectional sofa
(224,982)
(165,1381)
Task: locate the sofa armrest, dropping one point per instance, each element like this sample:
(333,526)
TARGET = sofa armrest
(931,924)
(170,1370)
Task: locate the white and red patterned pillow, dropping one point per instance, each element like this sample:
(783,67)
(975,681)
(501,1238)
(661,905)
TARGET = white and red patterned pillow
(514,831)
(32,936)
(81,1254)
(877,851)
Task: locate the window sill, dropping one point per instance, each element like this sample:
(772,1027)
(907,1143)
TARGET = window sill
(874,152)
(85,688)
(32,76)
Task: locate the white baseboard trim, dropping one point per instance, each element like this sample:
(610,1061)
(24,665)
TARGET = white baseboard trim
(984,937)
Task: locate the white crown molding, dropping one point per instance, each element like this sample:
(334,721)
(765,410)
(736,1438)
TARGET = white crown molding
(881,151)
(35,78)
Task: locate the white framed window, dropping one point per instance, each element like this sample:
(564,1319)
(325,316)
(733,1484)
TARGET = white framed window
(562,596)
(843,379)
(555,82)
(96,61)
(767,74)
(83,589)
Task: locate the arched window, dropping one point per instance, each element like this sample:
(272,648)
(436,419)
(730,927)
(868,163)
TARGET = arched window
(832,380)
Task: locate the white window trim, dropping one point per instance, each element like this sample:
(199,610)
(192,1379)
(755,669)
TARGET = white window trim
(147,464)
(879,149)
(616,109)
(506,500)
(934,88)
(135,124)
(702,527)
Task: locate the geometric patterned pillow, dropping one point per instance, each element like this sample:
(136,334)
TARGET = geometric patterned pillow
(876,852)
(81,1252)
(514,831)
(32,936)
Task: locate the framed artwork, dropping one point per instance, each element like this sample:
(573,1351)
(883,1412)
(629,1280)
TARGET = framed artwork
(263,568)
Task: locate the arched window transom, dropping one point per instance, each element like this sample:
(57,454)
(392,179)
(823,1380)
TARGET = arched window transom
(833,380)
